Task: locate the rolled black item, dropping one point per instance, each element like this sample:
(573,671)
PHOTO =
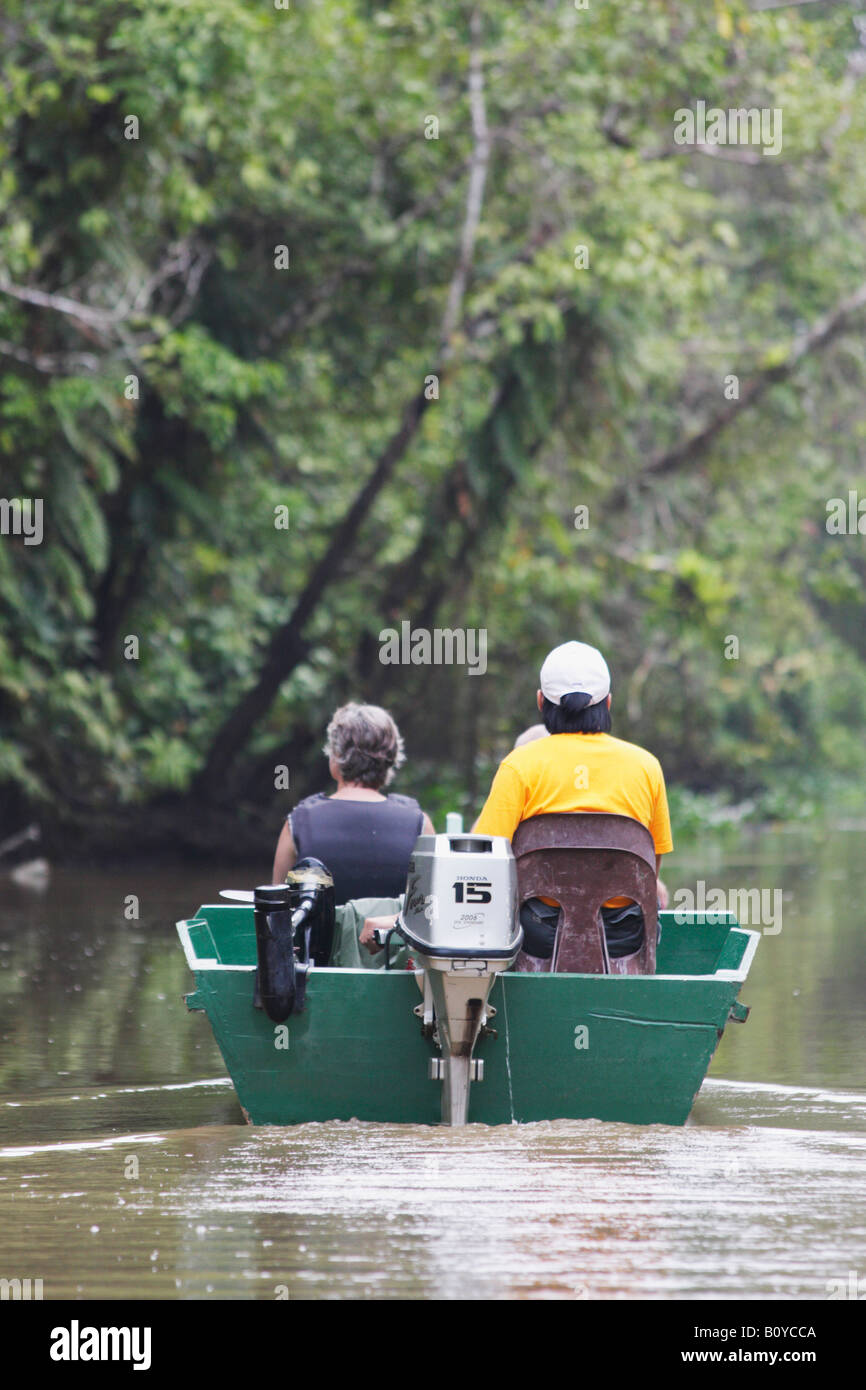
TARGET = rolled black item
(276,983)
(294,931)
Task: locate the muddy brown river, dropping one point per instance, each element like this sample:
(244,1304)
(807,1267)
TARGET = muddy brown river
(126,1170)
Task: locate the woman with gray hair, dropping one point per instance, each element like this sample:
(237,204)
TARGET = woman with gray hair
(363,836)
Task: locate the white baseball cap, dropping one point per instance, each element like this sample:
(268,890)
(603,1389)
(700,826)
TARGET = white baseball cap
(575,667)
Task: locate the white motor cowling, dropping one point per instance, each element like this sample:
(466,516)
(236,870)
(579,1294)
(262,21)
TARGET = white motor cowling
(460,921)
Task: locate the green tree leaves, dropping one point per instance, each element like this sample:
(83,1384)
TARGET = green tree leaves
(165,386)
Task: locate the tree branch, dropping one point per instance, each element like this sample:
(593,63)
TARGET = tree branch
(51,363)
(288,647)
(788,4)
(822,332)
(97,318)
(182,259)
(475,191)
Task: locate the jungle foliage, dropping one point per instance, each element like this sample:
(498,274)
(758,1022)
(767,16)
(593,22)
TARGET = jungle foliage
(168,384)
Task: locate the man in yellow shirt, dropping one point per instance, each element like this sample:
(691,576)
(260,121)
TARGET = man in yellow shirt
(580,767)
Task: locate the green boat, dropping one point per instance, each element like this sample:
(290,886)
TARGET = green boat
(391,1045)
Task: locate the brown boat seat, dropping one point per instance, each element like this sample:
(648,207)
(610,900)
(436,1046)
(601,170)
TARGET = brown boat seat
(582,859)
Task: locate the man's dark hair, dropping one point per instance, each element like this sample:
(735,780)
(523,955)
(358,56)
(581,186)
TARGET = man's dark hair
(575,715)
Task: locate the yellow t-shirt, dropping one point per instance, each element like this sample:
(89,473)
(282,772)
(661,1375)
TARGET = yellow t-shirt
(579,772)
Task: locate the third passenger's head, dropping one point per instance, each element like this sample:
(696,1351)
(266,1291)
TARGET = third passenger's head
(575,690)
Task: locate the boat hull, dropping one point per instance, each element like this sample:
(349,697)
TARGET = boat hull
(626,1048)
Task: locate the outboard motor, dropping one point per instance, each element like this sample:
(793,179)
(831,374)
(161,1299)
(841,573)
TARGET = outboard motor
(294,931)
(460,921)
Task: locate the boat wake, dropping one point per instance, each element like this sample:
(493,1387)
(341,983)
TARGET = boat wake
(80,1145)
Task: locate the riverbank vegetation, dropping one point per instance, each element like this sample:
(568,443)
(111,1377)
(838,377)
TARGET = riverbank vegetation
(318,321)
